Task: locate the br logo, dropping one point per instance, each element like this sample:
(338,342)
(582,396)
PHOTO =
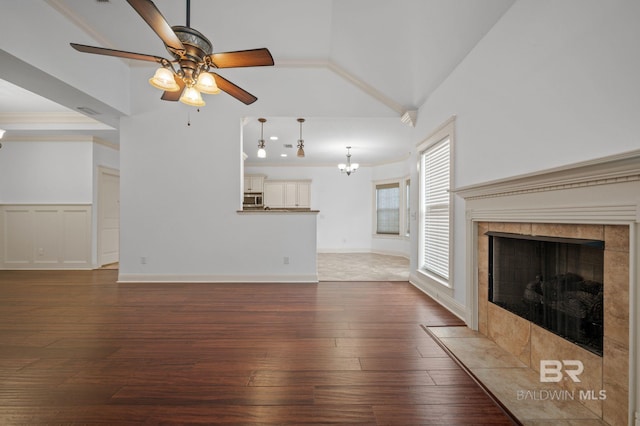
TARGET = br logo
(553,370)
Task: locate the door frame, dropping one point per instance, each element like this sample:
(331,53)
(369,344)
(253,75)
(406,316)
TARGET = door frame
(102,172)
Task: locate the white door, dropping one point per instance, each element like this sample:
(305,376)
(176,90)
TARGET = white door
(108,217)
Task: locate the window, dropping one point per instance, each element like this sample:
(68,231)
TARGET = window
(435,176)
(388,208)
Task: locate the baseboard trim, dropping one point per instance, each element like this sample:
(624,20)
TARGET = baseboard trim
(439,296)
(205,278)
(344,250)
(356,251)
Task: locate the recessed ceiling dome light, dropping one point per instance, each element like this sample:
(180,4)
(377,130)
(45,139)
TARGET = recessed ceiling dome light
(274,138)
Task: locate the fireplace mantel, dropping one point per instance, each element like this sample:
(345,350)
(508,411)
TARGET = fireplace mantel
(610,170)
(604,191)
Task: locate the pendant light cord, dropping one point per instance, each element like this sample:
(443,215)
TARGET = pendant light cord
(188,13)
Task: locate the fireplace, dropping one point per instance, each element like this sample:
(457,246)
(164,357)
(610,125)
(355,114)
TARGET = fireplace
(595,200)
(556,283)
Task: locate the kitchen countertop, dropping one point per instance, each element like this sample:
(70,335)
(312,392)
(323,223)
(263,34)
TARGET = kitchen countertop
(254,210)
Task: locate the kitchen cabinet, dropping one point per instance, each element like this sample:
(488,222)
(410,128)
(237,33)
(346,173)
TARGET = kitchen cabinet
(253,183)
(287,194)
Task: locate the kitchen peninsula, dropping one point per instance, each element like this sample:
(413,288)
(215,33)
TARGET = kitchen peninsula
(281,229)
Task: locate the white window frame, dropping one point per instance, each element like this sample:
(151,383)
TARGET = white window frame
(445,131)
(407,206)
(402,189)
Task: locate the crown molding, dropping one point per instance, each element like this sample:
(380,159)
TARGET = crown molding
(346,75)
(68,13)
(624,167)
(106,143)
(45,117)
(62,138)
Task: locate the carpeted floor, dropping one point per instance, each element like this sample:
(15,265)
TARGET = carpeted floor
(362,267)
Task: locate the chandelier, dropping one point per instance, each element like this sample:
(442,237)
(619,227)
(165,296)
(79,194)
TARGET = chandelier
(349,167)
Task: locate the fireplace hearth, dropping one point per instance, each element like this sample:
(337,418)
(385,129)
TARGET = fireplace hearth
(556,283)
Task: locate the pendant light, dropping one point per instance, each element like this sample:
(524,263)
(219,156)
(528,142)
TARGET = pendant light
(300,152)
(261,151)
(349,167)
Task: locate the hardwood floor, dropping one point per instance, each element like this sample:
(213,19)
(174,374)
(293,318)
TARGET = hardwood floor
(77,348)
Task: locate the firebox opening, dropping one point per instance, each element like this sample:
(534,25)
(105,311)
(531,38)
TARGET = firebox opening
(556,283)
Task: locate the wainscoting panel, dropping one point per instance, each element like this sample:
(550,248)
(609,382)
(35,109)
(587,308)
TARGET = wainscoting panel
(45,237)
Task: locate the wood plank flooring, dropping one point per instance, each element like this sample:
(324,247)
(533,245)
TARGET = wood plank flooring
(78,348)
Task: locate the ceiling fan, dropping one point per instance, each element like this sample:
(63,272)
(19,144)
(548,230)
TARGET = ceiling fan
(193,54)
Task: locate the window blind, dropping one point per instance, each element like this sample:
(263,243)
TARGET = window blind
(435,167)
(388,209)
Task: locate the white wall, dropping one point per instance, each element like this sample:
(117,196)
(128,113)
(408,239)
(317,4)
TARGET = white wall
(48,172)
(180,192)
(41,175)
(53,55)
(553,83)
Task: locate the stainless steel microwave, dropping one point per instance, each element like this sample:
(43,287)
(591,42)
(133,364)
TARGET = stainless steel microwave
(252,199)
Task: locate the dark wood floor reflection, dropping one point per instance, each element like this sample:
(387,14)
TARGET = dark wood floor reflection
(77,348)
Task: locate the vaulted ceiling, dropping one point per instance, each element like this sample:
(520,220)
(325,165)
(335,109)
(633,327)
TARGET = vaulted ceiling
(357,66)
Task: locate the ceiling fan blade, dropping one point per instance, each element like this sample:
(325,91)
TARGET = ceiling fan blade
(117,53)
(174,96)
(235,91)
(242,58)
(152,16)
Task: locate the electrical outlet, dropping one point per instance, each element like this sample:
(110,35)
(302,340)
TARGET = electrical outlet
(143,260)
(286,260)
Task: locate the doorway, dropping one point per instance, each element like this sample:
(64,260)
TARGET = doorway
(108,216)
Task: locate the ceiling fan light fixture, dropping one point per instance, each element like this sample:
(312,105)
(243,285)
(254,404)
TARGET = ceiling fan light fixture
(207,84)
(191,52)
(163,79)
(192,97)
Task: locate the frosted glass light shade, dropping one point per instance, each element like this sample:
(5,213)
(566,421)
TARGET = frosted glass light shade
(262,153)
(163,79)
(207,84)
(192,97)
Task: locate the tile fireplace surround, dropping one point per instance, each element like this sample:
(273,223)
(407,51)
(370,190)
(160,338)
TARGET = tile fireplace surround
(596,200)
